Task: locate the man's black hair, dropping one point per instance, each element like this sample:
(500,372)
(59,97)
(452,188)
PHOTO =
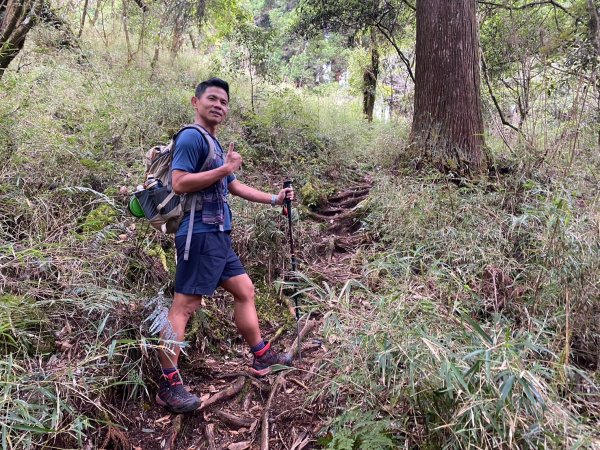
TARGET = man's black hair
(213,82)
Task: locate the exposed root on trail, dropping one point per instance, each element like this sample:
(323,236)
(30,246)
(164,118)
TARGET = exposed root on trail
(343,237)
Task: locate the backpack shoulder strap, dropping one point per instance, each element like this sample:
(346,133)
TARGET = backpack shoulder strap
(195,199)
(211,148)
(210,142)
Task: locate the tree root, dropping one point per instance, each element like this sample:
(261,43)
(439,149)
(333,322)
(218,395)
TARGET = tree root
(357,191)
(175,428)
(232,390)
(308,327)
(209,433)
(264,432)
(231,419)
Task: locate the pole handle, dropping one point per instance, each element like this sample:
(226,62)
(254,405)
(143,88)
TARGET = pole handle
(287,184)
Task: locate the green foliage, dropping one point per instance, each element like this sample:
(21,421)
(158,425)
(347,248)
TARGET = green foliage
(22,326)
(99,218)
(311,197)
(359,430)
(437,340)
(473,323)
(285,133)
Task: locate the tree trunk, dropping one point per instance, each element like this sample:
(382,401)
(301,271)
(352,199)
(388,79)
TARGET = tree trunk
(370,80)
(594,27)
(82,24)
(16,19)
(125,19)
(447,125)
(177,38)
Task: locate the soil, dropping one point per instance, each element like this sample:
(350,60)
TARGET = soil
(284,410)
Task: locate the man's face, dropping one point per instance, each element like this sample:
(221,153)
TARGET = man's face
(212,106)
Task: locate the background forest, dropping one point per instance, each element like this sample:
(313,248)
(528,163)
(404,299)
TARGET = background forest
(448,227)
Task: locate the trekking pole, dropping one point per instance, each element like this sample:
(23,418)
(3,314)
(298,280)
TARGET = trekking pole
(287,210)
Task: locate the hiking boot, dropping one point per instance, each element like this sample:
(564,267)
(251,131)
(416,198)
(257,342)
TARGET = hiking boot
(265,358)
(173,395)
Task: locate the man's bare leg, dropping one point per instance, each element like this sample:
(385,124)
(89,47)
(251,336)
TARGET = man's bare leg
(171,391)
(183,308)
(244,309)
(246,321)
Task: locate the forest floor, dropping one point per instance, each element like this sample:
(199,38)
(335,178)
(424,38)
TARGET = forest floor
(284,410)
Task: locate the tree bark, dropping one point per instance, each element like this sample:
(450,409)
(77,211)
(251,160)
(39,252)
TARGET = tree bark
(594,27)
(16,20)
(83,14)
(370,80)
(125,19)
(447,126)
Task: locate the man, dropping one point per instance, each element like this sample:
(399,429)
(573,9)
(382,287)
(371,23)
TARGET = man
(212,262)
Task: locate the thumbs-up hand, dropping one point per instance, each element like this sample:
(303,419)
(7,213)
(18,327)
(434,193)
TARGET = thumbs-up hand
(233,159)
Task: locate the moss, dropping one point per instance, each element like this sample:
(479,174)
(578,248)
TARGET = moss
(272,308)
(99,218)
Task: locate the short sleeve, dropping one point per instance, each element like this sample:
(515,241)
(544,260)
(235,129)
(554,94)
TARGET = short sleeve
(191,149)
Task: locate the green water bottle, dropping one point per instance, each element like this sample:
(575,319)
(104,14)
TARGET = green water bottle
(135,208)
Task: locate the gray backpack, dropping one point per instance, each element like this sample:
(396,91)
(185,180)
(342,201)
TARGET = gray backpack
(163,207)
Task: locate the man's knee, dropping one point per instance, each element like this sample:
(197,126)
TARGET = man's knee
(186,305)
(246,294)
(240,287)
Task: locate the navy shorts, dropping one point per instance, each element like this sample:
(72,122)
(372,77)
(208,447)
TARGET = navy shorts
(210,263)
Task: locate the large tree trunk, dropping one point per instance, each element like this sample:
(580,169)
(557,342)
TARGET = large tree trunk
(447,125)
(370,80)
(16,19)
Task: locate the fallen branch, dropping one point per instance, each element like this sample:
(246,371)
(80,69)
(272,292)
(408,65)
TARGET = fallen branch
(234,420)
(277,335)
(232,390)
(299,383)
(264,432)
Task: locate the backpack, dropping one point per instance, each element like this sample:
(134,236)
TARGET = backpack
(161,205)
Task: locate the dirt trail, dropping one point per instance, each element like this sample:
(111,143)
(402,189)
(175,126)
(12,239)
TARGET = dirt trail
(343,237)
(281,411)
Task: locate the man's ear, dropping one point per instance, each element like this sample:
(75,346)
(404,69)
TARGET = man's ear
(194,100)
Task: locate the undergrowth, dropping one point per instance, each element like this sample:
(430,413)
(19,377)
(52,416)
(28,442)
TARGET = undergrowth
(475,324)
(76,270)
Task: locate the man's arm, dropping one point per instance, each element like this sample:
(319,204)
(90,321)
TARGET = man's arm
(254,195)
(191,182)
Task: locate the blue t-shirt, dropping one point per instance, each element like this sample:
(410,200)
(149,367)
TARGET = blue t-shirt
(191,150)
